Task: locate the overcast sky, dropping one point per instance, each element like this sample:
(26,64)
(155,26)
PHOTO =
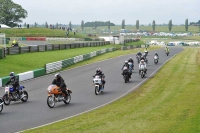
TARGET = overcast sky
(63,11)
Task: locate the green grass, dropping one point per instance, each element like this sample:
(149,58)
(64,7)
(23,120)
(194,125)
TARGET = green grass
(39,32)
(135,43)
(167,103)
(30,61)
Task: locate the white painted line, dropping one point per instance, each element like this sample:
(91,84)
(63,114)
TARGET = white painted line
(134,88)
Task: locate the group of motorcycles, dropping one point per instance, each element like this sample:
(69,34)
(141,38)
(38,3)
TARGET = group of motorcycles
(54,95)
(128,72)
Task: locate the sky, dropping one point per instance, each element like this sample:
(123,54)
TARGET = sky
(64,11)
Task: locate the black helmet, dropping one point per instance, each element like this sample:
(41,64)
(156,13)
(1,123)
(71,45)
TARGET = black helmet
(98,70)
(57,76)
(12,75)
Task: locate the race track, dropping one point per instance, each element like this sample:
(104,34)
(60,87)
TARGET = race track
(20,116)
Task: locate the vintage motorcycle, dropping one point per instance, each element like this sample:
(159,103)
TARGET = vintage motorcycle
(155,59)
(126,74)
(97,82)
(12,95)
(142,71)
(56,95)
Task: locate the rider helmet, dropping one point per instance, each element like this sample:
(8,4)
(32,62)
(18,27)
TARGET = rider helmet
(57,76)
(126,62)
(12,75)
(142,61)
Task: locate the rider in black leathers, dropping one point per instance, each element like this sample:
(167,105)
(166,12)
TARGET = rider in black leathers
(101,74)
(59,81)
(156,54)
(131,60)
(14,82)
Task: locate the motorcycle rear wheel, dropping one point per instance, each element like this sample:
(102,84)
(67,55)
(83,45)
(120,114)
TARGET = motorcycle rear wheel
(50,101)
(1,106)
(67,99)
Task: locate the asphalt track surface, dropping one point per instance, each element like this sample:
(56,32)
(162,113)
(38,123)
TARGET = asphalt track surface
(19,116)
(36,43)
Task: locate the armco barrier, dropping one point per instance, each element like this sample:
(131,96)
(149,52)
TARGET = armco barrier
(26,75)
(39,72)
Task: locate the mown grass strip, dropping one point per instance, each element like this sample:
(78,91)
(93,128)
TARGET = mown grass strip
(167,103)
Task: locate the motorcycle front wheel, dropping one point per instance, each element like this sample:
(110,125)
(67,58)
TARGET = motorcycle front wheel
(6,100)
(96,90)
(25,98)
(50,101)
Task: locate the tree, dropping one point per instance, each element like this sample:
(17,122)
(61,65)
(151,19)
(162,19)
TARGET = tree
(170,25)
(11,13)
(153,25)
(109,25)
(186,24)
(95,24)
(35,24)
(123,24)
(82,25)
(137,24)
(70,24)
(46,25)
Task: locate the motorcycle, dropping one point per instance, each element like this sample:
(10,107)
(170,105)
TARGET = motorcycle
(146,53)
(126,74)
(138,58)
(56,95)
(155,59)
(1,104)
(167,53)
(142,71)
(12,95)
(145,60)
(97,82)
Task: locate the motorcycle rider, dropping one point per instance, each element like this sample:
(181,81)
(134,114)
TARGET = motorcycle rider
(142,62)
(156,54)
(59,81)
(131,60)
(139,53)
(15,43)
(166,49)
(146,51)
(137,56)
(101,74)
(125,65)
(14,82)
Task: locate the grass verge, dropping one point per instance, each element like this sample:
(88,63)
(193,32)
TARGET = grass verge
(167,103)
